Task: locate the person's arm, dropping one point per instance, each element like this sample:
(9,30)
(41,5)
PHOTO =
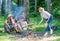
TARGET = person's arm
(41,20)
(6,23)
(12,20)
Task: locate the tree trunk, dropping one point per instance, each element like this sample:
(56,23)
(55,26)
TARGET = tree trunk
(49,5)
(3,7)
(0,6)
(21,2)
(9,6)
(6,7)
(18,2)
(35,6)
(26,5)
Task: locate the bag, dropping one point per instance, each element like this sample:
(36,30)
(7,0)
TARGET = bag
(54,27)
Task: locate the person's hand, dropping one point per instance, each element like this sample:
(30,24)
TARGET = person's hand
(45,25)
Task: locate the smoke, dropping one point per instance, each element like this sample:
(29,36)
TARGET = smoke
(17,11)
(10,8)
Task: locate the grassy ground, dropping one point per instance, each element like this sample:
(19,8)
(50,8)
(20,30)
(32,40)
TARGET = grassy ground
(57,39)
(3,36)
(40,27)
(37,27)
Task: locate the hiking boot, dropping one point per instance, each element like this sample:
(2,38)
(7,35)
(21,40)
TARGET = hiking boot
(51,31)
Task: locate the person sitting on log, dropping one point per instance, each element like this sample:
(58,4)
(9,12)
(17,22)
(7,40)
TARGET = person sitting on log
(8,23)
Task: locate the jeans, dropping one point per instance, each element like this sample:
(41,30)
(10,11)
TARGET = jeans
(10,26)
(48,22)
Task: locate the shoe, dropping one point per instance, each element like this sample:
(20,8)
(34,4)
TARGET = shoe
(46,34)
(51,31)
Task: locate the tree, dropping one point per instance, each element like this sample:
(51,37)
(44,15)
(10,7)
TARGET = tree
(6,7)
(49,5)
(9,6)
(3,7)
(35,6)
(20,2)
(26,5)
(0,6)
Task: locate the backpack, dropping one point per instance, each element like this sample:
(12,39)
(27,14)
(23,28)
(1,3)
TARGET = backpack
(54,27)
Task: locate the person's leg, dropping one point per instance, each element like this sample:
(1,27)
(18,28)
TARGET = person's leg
(50,20)
(15,27)
(6,28)
(47,29)
(48,26)
(20,28)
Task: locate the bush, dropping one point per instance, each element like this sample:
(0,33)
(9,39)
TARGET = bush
(33,14)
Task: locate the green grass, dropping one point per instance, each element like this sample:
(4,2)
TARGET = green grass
(57,39)
(3,36)
(37,27)
(36,21)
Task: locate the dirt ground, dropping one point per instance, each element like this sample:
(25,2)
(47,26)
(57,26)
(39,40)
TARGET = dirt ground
(32,37)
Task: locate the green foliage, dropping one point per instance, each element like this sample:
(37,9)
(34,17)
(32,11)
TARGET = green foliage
(56,7)
(34,14)
(40,3)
